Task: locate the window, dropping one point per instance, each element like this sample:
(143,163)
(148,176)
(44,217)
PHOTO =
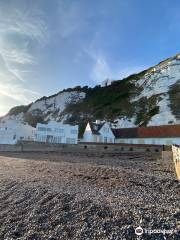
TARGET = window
(49,129)
(105,139)
(73,131)
(95,127)
(41,129)
(106,129)
(59,130)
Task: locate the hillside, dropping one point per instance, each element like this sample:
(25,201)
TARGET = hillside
(150,97)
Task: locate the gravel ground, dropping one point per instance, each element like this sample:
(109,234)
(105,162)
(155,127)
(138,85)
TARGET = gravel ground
(87,196)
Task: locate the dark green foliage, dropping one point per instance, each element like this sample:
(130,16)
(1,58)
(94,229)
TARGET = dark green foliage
(33,119)
(19,109)
(146,109)
(174,96)
(105,102)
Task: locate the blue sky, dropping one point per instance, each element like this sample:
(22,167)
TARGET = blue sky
(49,45)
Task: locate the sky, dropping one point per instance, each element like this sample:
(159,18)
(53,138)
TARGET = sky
(49,45)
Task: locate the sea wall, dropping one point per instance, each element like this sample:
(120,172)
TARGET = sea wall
(83,147)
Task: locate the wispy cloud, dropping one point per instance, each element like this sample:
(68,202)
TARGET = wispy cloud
(21,28)
(102,69)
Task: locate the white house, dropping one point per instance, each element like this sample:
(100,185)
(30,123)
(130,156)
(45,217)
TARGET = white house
(11,131)
(55,132)
(98,132)
(158,135)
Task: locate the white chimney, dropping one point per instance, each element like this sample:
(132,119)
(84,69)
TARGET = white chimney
(98,121)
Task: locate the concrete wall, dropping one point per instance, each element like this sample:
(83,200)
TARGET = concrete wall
(121,147)
(10,148)
(84,147)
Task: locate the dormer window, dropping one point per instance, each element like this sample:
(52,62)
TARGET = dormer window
(106,129)
(95,127)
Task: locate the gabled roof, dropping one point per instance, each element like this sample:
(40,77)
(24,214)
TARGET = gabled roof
(125,132)
(95,127)
(148,132)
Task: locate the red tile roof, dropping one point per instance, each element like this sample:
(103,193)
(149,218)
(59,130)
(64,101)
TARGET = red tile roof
(148,132)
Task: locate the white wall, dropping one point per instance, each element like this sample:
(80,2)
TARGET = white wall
(12,131)
(106,134)
(55,132)
(88,136)
(7,137)
(158,141)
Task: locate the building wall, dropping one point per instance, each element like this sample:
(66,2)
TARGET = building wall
(55,132)
(25,132)
(88,136)
(105,135)
(7,137)
(158,141)
(11,132)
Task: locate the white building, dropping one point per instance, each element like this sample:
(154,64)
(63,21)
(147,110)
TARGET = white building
(98,132)
(11,131)
(158,135)
(55,132)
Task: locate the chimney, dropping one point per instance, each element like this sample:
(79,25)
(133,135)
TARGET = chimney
(98,121)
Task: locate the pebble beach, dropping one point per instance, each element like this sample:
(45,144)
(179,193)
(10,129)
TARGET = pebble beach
(53,196)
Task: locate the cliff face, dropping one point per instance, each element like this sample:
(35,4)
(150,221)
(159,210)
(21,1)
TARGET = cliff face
(151,97)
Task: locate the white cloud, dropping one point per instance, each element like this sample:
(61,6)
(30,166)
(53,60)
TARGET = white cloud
(102,69)
(21,29)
